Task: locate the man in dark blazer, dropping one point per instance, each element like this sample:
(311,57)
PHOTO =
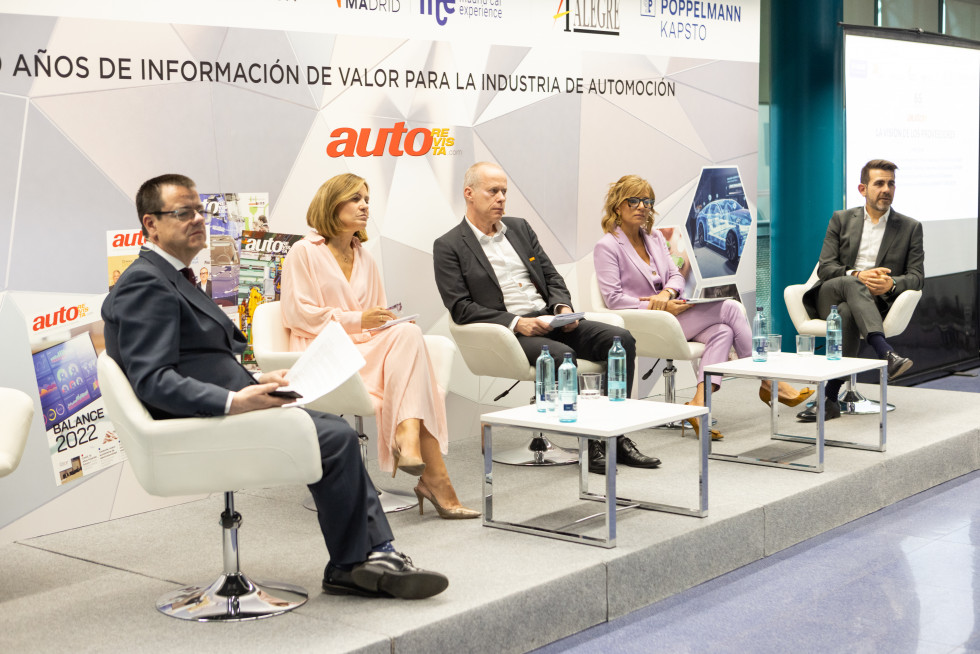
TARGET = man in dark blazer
(204,283)
(178,350)
(870,255)
(492,269)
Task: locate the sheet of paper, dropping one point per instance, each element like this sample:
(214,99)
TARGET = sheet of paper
(394,322)
(562,319)
(326,364)
(705,300)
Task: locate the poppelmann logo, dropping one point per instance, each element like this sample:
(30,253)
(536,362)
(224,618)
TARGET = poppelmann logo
(395,140)
(590,16)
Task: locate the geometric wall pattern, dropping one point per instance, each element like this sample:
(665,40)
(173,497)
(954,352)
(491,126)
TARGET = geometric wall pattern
(74,150)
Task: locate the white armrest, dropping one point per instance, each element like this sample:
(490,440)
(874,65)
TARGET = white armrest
(185,456)
(270,342)
(901,312)
(793,298)
(441,351)
(491,350)
(659,334)
(17,410)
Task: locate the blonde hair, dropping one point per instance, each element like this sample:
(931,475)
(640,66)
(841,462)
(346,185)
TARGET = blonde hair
(628,186)
(325,205)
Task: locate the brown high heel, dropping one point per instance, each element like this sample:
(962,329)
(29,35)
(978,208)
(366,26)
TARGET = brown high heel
(765,395)
(412,465)
(459,513)
(696,424)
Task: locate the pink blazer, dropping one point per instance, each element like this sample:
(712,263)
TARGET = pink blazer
(624,277)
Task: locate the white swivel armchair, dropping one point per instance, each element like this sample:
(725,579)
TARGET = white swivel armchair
(658,334)
(852,402)
(17,409)
(185,456)
(492,350)
(270,342)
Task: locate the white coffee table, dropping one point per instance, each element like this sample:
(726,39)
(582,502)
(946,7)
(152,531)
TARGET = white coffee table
(601,420)
(801,369)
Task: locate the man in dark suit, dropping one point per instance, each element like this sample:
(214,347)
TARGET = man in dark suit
(870,255)
(492,269)
(178,350)
(204,283)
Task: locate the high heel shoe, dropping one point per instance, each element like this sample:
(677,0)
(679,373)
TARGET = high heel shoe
(696,424)
(412,465)
(459,513)
(766,396)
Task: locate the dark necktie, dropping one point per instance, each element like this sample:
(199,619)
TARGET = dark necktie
(189,275)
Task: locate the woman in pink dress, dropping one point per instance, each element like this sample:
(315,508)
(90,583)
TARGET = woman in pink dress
(635,271)
(329,276)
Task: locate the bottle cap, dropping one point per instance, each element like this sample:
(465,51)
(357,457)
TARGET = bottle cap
(544,348)
(758,308)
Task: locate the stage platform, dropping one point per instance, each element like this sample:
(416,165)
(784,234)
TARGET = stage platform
(93,588)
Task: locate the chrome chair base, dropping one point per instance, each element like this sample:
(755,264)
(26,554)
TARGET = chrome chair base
(391,501)
(539,452)
(860,406)
(395,501)
(853,403)
(232,598)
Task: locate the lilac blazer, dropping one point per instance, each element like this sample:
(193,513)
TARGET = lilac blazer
(624,277)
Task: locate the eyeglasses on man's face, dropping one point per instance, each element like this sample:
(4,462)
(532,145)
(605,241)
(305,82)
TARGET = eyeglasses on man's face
(634,202)
(183,214)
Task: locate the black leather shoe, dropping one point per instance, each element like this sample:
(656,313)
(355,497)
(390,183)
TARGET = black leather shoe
(393,574)
(628,455)
(339,582)
(897,365)
(831,411)
(597,457)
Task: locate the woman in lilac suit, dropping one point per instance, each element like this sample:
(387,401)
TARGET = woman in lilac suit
(635,271)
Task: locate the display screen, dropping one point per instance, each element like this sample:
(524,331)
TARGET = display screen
(917,103)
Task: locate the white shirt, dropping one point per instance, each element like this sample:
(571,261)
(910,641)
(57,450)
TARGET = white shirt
(520,295)
(871,236)
(179,265)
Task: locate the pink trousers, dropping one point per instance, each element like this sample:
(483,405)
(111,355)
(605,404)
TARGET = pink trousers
(719,325)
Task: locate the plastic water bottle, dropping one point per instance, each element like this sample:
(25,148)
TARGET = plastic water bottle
(544,381)
(616,371)
(834,342)
(760,339)
(567,390)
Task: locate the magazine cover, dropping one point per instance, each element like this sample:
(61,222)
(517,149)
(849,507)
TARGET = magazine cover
(253,208)
(122,248)
(259,278)
(66,336)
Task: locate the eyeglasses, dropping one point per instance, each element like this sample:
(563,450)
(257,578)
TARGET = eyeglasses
(634,202)
(183,214)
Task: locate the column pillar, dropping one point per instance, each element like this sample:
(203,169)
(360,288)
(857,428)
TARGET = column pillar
(807,140)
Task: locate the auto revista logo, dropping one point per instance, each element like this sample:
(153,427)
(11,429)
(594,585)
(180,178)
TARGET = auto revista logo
(59,317)
(396,140)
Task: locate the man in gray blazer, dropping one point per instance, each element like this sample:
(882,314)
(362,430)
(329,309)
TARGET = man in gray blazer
(870,255)
(178,350)
(492,269)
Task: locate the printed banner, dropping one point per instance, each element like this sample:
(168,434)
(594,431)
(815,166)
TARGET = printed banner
(66,336)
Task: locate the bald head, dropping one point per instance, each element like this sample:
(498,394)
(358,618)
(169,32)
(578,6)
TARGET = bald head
(485,192)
